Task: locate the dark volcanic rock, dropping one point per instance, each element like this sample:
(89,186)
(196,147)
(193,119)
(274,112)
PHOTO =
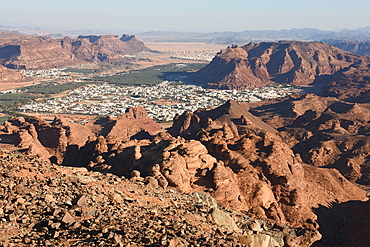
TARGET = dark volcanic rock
(256,65)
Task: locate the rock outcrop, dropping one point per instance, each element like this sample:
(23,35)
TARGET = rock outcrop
(325,131)
(264,176)
(133,124)
(350,84)
(44,204)
(256,65)
(39,52)
(279,171)
(8,75)
(62,140)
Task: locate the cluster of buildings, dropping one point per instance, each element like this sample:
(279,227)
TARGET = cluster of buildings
(162,101)
(206,56)
(48,74)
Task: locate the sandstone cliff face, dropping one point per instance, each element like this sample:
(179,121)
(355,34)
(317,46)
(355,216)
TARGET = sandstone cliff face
(33,52)
(125,45)
(8,75)
(85,51)
(256,65)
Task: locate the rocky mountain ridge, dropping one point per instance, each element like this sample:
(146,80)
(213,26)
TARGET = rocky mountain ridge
(359,47)
(291,62)
(41,52)
(350,84)
(243,37)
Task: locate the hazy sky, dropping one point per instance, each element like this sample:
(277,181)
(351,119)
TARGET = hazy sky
(189,15)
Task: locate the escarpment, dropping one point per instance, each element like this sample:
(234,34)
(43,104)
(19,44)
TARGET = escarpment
(290,62)
(41,52)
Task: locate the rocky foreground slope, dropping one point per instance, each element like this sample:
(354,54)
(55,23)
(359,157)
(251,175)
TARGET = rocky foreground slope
(256,65)
(302,160)
(43,204)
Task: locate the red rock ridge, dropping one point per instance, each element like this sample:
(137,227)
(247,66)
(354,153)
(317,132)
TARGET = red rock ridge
(256,65)
(325,131)
(257,172)
(350,84)
(38,52)
(36,136)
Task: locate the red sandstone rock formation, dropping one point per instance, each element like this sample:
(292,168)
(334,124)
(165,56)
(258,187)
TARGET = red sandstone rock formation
(350,84)
(258,173)
(241,161)
(8,75)
(60,138)
(256,65)
(85,51)
(127,44)
(135,123)
(36,136)
(325,131)
(37,52)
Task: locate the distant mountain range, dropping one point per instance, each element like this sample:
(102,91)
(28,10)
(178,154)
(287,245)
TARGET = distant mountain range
(356,47)
(225,38)
(241,38)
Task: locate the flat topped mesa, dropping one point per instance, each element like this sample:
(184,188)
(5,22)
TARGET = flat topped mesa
(41,52)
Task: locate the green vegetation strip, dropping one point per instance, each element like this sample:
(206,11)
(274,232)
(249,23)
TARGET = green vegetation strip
(152,75)
(13,99)
(9,101)
(52,87)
